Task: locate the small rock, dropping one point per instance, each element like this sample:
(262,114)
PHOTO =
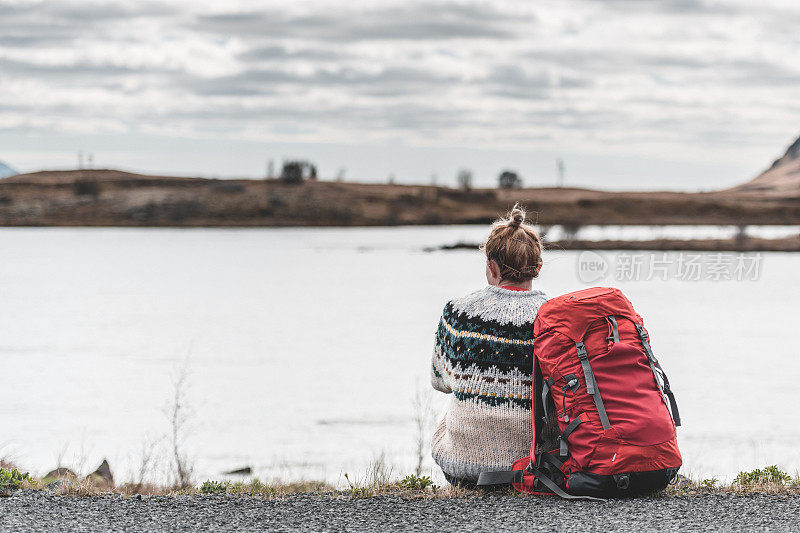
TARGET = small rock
(59,485)
(246,471)
(102,475)
(61,472)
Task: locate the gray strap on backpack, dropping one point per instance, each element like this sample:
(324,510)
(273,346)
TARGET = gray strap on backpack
(591,384)
(665,390)
(506,477)
(562,439)
(545,393)
(499,477)
(555,489)
(614,328)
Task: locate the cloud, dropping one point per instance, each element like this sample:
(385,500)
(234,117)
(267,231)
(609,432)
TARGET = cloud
(274,52)
(44,23)
(413,21)
(59,71)
(587,73)
(680,7)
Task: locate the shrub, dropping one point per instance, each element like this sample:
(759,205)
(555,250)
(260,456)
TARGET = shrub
(12,479)
(509,179)
(214,487)
(359,492)
(355,491)
(417,483)
(768,474)
(253,486)
(709,483)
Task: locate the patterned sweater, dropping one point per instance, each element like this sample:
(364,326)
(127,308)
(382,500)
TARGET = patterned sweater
(483,356)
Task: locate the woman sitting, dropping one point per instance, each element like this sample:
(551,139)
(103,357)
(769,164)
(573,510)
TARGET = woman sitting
(483,357)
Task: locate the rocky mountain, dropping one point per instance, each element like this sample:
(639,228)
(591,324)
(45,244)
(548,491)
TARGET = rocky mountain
(781,179)
(6,171)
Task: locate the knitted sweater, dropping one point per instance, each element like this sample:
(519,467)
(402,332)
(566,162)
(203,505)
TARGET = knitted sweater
(483,356)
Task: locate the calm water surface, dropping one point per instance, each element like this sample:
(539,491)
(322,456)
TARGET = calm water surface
(305,347)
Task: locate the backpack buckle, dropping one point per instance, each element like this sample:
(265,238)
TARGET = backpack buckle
(623,481)
(581,349)
(563,448)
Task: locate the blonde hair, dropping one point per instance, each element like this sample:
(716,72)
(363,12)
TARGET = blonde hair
(515,246)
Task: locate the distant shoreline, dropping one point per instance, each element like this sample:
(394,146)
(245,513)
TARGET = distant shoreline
(112,198)
(749,244)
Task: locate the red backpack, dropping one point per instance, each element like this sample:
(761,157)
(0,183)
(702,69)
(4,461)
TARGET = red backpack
(616,412)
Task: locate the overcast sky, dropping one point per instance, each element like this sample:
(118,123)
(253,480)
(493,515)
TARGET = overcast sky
(682,94)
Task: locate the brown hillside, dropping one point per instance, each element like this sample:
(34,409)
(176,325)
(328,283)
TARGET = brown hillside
(116,198)
(781,179)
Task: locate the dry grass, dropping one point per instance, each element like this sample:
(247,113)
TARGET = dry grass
(88,488)
(378,481)
(179,413)
(767,480)
(8,464)
(270,490)
(401,488)
(276,490)
(423,422)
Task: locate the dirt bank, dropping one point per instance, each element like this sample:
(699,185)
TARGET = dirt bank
(749,244)
(115,198)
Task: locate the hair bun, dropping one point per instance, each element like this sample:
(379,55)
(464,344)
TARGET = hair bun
(517,216)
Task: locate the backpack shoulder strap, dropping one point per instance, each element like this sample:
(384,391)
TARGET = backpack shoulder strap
(591,384)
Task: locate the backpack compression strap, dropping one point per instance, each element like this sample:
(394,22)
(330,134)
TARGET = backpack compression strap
(562,439)
(550,484)
(545,393)
(506,477)
(500,477)
(656,368)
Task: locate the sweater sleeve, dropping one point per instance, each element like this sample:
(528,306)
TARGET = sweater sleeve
(438,369)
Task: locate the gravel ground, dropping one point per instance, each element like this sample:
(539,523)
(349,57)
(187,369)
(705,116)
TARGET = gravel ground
(43,511)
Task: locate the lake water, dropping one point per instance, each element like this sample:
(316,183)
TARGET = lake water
(305,347)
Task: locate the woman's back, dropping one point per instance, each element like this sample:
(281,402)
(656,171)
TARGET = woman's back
(483,356)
